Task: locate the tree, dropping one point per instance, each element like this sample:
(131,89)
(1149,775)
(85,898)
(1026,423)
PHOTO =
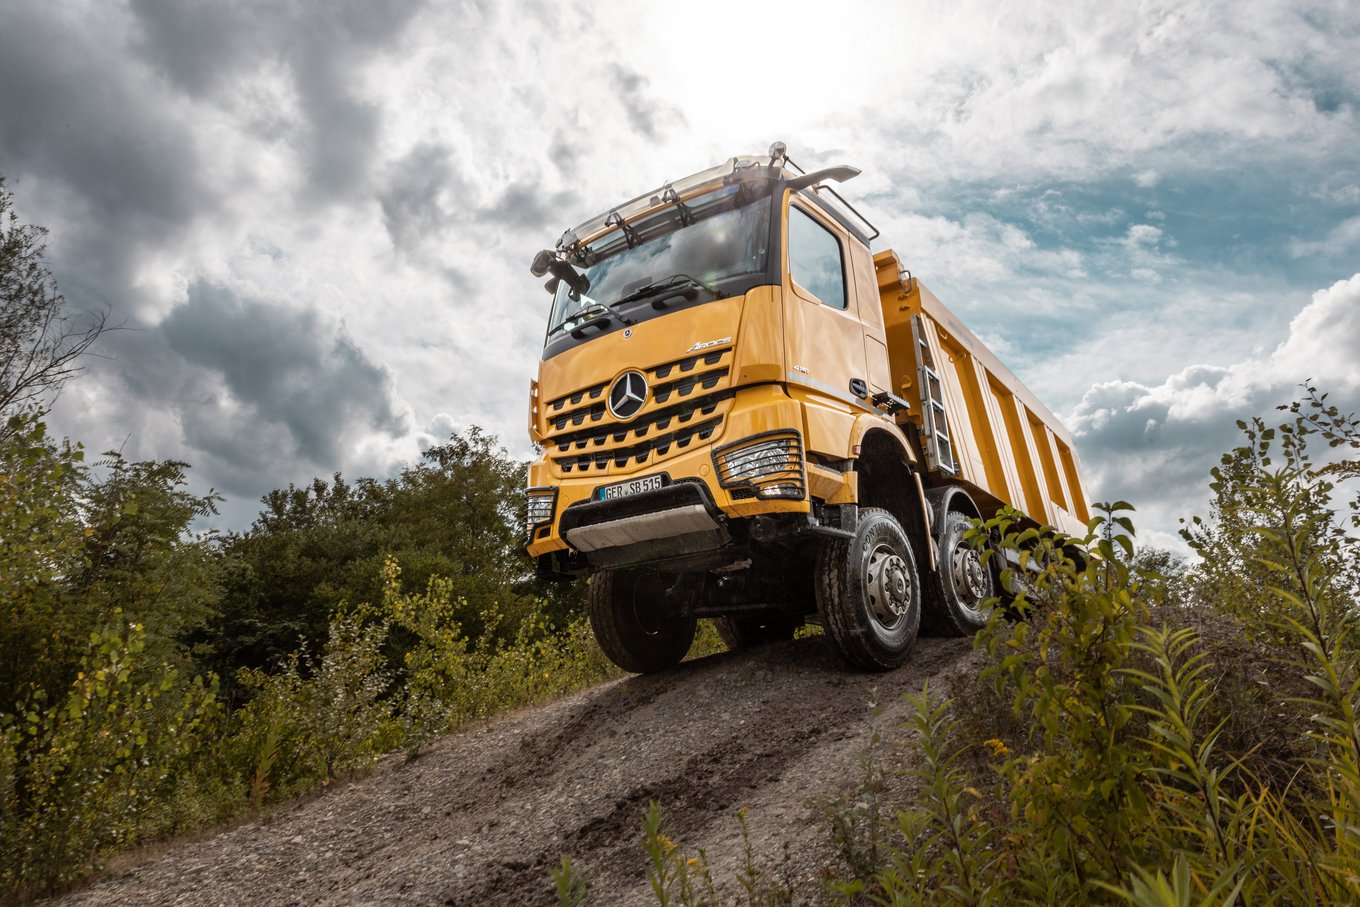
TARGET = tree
(78,547)
(457,514)
(40,340)
(42,632)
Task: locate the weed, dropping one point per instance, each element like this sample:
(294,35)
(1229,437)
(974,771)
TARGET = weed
(570,884)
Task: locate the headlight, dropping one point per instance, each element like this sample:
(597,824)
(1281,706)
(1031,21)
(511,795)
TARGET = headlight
(542,501)
(765,466)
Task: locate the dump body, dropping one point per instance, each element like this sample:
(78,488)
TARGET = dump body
(981,428)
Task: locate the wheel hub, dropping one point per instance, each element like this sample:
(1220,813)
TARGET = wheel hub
(970,576)
(889,586)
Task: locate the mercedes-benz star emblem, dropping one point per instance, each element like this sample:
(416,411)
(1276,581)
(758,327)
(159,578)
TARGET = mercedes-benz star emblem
(627,395)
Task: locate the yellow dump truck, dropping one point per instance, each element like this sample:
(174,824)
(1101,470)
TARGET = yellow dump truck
(745,414)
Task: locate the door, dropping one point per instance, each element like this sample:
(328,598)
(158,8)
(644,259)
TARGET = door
(824,339)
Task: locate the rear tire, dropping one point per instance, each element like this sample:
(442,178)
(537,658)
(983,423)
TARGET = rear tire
(750,630)
(869,593)
(956,603)
(634,624)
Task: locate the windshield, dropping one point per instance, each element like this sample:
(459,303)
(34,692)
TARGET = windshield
(725,239)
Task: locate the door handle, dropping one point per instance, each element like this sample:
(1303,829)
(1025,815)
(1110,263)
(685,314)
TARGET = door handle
(859,388)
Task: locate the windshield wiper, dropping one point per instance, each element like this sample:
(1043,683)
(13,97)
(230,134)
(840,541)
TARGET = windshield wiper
(674,282)
(592,316)
(582,318)
(596,315)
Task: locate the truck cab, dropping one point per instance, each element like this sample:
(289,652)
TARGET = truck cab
(746,415)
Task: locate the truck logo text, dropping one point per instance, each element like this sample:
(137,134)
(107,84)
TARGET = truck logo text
(704,346)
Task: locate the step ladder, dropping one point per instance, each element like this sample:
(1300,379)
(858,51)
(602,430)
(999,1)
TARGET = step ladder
(939,449)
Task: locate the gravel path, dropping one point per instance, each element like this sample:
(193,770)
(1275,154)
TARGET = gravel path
(482,815)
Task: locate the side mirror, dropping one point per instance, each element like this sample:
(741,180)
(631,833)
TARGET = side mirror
(546,261)
(542,261)
(573,278)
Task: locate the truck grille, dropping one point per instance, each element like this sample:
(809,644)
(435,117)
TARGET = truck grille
(583,436)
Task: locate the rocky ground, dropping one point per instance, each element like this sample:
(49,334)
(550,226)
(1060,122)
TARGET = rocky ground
(484,814)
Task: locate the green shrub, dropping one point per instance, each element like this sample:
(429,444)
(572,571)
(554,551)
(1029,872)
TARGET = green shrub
(313,722)
(450,679)
(858,822)
(42,632)
(954,844)
(78,775)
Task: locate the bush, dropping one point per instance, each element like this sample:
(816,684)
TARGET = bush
(450,679)
(77,776)
(313,722)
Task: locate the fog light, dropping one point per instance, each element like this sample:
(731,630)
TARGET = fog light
(539,509)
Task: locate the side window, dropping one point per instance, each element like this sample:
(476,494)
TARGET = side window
(815,259)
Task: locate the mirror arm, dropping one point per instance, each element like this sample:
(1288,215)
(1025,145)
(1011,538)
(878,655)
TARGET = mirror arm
(839,174)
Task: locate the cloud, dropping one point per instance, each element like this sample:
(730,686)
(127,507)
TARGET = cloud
(646,114)
(244,387)
(1094,88)
(1324,338)
(985,249)
(419,194)
(1142,236)
(1154,444)
(207,49)
(196,45)
(290,368)
(527,207)
(1342,238)
(97,140)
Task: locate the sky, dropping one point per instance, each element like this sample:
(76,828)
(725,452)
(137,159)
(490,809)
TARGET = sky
(314,220)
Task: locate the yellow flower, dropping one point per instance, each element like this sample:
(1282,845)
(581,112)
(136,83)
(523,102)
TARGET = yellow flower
(998,748)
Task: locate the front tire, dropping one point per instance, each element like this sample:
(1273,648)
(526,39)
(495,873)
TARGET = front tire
(956,605)
(633,623)
(869,593)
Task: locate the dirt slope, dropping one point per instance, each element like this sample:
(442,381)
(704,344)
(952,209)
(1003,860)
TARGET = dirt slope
(482,816)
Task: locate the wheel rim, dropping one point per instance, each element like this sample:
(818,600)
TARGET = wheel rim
(889,586)
(972,585)
(648,621)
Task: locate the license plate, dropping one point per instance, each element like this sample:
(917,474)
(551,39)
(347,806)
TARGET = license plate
(631,487)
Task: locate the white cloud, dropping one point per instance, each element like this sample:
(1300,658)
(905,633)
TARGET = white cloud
(1153,444)
(1344,237)
(1324,338)
(1142,236)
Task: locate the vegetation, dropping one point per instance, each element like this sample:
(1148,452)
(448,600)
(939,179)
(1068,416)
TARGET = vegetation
(152,681)
(677,880)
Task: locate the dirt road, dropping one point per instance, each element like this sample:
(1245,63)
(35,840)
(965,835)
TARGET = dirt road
(482,816)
